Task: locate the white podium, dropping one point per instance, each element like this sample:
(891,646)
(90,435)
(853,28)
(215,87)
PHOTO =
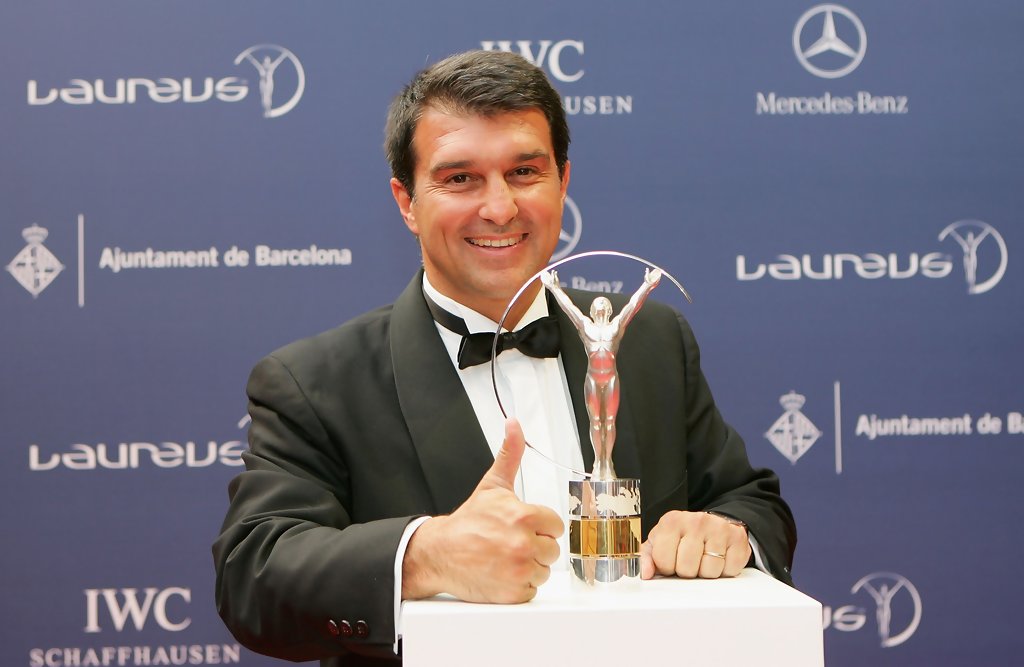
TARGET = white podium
(750,620)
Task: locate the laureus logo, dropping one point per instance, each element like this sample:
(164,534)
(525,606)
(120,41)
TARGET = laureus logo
(970,235)
(982,245)
(572,230)
(267,58)
(35,267)
(894,627)
(829,41)
(282,80)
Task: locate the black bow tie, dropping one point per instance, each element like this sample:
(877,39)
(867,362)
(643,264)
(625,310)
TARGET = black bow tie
(537,339)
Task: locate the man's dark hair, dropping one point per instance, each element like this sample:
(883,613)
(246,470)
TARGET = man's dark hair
(476,82)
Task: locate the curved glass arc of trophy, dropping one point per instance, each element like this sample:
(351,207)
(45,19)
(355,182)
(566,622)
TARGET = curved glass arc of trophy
(515,299)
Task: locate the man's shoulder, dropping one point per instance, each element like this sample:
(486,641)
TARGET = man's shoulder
(355,338)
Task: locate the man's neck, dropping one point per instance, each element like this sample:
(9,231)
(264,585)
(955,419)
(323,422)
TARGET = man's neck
(526,306)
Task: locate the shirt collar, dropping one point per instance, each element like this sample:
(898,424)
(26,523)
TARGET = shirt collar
(476,322)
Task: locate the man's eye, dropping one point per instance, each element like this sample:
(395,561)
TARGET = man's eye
(524,171)
(459,179)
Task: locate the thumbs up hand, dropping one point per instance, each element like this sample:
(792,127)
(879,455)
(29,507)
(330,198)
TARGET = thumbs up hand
(493,548)
(502,474)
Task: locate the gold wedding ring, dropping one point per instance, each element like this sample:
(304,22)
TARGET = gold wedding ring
(714,554)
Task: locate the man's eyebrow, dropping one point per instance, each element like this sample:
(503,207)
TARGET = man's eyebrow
(445,166)
(463,164)
(527,157)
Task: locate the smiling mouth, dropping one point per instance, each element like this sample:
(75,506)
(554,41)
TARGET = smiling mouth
(497,243)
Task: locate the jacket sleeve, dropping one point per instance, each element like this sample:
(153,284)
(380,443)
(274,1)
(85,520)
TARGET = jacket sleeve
(291,565)
(721,477)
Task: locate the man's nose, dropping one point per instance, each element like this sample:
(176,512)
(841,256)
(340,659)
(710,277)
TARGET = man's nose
(499,205)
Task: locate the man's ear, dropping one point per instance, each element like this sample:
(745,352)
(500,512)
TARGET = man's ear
(565,178)
(404,201)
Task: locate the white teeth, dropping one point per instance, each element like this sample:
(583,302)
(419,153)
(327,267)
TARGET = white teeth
(496,243)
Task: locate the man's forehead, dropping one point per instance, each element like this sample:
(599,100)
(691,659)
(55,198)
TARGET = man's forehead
(452,110)
(439,128)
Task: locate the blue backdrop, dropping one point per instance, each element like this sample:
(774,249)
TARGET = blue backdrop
(188,185)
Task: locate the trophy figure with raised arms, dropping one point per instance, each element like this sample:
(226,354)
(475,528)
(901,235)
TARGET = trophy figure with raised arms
(601,334)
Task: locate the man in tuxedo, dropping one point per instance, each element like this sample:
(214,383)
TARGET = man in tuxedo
(380,468)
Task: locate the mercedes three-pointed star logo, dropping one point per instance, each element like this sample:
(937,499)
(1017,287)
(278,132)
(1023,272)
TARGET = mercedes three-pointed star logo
(830,41)
(572,229)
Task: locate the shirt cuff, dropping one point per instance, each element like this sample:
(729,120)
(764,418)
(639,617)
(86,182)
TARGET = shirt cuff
(758,559)
(403,544)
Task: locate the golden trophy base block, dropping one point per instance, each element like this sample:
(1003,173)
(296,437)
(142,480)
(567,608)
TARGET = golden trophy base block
(604,533)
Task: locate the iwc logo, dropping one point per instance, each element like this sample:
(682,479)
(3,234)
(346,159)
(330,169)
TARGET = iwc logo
(35,267)
(547,54)
(563,61)
(829,41)
(793,433)
(266,58)
(572,229)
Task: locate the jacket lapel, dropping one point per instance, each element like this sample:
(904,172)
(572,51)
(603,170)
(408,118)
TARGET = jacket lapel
(444,429)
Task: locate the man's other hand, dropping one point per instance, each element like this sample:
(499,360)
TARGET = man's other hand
(493,548)
(694,544)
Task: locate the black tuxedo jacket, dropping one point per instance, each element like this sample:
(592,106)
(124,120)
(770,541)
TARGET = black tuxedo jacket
(360,429)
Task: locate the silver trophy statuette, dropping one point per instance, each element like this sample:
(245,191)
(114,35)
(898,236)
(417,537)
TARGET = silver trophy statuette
(604,511)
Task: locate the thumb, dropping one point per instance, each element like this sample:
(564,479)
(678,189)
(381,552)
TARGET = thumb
(502,475)
(646,560)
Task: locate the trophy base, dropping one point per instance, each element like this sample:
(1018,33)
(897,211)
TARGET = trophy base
(612,574)
(604,533)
